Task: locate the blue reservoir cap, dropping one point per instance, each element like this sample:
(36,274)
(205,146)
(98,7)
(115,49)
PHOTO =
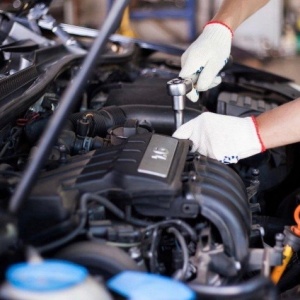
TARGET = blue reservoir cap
(143,286)
(45,276)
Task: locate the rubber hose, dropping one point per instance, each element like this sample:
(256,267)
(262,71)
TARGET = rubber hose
(160,118)
(245,290)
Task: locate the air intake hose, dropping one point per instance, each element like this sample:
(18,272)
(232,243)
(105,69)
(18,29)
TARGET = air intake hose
(160,118)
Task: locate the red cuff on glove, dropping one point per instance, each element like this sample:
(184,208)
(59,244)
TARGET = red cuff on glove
(263,148)
(221,23)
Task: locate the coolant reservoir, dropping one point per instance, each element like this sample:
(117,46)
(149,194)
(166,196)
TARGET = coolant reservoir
(51,279)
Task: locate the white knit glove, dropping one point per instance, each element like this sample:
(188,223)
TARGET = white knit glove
(205,57)
(224,138)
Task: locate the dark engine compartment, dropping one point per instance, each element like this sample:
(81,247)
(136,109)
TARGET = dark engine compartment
(117,192)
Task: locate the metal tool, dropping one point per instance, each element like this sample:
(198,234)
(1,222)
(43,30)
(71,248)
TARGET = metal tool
(178,88)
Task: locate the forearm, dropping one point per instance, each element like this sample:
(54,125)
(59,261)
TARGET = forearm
(280,126)
(235,12)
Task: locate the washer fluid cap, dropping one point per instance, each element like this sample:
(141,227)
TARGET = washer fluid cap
(45,276)
(143,286)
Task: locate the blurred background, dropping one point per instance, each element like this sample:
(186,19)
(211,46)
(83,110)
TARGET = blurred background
(269,40)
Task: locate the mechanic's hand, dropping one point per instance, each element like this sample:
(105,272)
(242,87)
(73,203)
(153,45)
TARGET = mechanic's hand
(224,138)
(206,56)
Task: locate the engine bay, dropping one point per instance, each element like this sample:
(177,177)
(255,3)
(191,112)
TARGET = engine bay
(116,191)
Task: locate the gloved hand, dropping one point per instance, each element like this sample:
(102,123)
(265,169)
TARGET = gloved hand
(206,56)
(224,138)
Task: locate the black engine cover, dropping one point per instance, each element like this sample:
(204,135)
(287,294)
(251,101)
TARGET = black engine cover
(156,176)
(144,171)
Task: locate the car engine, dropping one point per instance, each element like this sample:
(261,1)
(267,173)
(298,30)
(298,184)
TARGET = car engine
(116,191)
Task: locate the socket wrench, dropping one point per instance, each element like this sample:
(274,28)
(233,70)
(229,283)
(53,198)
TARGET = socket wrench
(179,87)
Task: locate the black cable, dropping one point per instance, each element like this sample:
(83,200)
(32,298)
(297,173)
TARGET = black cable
(130,219)
(116,210)
(181,274)
(105,202)
(67,238)
(85,198)
(10,173)
(69,99)
(157,228)
(153,252)
(173,222)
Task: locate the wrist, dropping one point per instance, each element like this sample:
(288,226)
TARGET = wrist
(219,35)
(220,23)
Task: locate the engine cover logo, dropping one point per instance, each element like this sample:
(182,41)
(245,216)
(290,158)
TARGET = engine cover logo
(160,153)
(158,156)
